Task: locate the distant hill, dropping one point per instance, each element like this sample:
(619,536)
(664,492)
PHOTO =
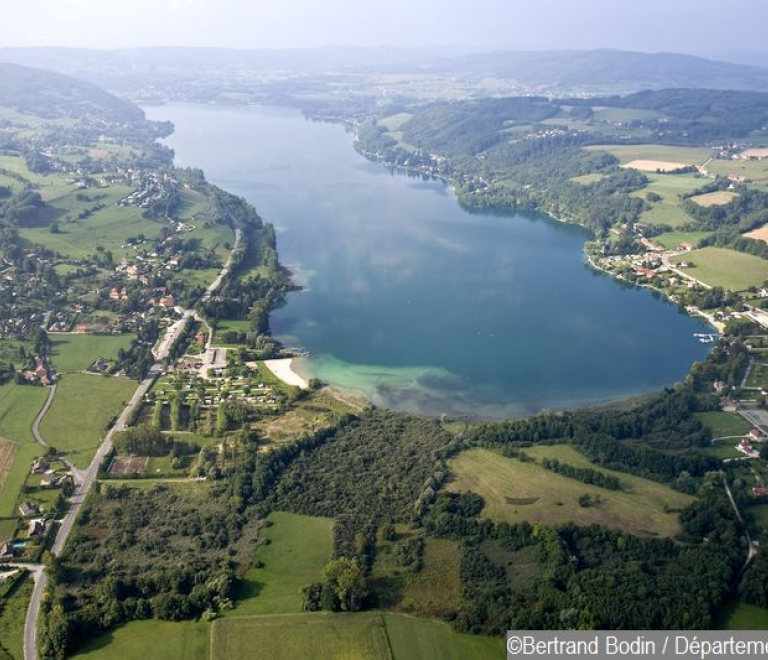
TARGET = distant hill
(56,96)
(548,72)
(604,69)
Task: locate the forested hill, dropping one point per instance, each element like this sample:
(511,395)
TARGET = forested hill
(56,96)
(601,69)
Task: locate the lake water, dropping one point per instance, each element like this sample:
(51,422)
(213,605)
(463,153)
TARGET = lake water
(416,303)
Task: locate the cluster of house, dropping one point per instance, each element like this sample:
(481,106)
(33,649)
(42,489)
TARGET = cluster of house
(152,187)
(40,374)
(746,444)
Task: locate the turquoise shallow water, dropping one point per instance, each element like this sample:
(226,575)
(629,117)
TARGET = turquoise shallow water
(416,303)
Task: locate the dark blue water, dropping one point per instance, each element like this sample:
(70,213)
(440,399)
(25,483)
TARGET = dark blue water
(418,304)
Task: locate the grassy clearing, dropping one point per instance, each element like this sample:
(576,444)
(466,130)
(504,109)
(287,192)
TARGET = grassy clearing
(433,592)
(227,325)
(335,636)
(717,198)
(298,550)
(78,352)
(670,188)
(420,639)
(624,114)
(516,491)
(140,640)
(83,406)
(13,613)
(672,239)
(724,424)
(726,268)
(629,152)
(741,616)
(586,179)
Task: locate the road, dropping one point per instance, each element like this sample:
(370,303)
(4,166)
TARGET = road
(84,480)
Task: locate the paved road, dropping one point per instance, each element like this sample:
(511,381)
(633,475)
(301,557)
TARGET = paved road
(84,480)
(40,415)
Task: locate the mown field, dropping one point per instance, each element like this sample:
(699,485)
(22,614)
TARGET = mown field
(753,170)
(78,352)
(726,268)
(83,406)
(515,491)
(319,634)
(298,550)
(629,152)
(142,640)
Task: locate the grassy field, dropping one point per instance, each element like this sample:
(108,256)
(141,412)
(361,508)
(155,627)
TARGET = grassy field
(78,352)
(361,636)
(723,424)
(141,640)
(421,639)
(670,187)
(741,616)
(13,613)
(629,152)
(516,491)
(752,170)
(672,239)
(299,548)
(227,325)
(758,375)
(624,114)
(83,406)
(726,268)
(19,406)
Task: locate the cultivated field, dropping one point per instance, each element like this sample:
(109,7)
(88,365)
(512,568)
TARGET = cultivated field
(7,453)
(76,352)
(312,635)
(626,153)
(83,406)
(299,549)
(718,198)
(128,465)
(153,639)
(656,165)
(759,234)
(726,268)
(761,152)
(514,491)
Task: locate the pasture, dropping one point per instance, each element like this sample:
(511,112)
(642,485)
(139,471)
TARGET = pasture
(142,640)
(742,616)
(670,188)
(724,424)
(13,611)
(423,639)
(672,239)
(726,268)
(515,491)
(77,352)
(298,550)
(751,170)
(626,153)
(19,405)
(82,408)
(361,636)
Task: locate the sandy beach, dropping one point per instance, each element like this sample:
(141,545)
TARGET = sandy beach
(282,369)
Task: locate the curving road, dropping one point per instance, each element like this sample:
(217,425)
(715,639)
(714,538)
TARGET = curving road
(85,479)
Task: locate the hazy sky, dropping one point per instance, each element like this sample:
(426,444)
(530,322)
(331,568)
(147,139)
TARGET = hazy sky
(698,26)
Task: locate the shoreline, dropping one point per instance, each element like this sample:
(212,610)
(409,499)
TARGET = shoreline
(282,368)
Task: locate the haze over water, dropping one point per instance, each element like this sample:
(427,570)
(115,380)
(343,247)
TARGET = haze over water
(418,304)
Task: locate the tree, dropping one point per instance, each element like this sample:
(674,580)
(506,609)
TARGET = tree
(345,580)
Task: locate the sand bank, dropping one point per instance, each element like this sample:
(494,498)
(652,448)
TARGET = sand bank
(282,369)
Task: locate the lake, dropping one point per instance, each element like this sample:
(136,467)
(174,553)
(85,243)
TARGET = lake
(414,302)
